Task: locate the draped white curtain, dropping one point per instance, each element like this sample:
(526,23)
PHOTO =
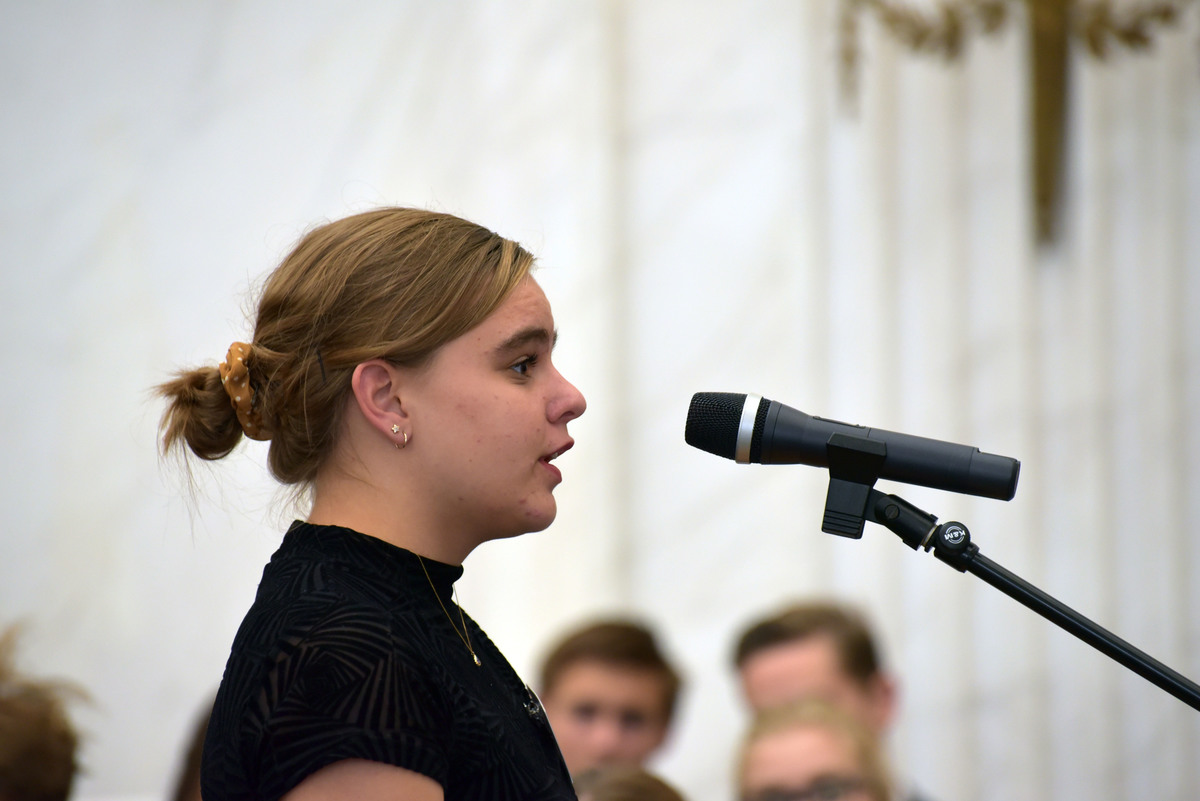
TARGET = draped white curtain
(711,214)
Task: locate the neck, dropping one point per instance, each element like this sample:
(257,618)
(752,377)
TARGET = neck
(351,502)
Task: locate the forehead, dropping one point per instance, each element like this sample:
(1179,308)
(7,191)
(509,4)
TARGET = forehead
(795,756)
(525,306)
(815,656)
(523,319)
(796,668)
(597,680)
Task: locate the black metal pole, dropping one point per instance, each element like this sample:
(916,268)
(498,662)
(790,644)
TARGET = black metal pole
(1093,634)
(951,543)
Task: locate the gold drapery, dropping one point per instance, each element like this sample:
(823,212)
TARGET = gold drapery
(1099,25)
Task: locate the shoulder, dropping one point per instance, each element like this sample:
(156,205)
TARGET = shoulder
(311,645)
(305,602)
(282,624)
(302,658)
(329,681)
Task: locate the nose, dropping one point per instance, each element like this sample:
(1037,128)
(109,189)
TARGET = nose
(605,741)
(567,402)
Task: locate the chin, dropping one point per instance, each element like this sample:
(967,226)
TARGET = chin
(527,524)
(541,518)
(541,524)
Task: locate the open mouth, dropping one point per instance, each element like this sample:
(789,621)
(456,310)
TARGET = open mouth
(552,456)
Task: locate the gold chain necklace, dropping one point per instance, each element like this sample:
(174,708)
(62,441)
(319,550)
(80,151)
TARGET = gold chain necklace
(464,634)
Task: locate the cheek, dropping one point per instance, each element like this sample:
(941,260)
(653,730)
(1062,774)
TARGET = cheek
(495,426)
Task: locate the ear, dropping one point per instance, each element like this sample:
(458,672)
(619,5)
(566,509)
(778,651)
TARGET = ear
(660,736)
(881,698)
(376,388)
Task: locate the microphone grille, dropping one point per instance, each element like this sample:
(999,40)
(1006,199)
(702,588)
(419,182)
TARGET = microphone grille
(712,422)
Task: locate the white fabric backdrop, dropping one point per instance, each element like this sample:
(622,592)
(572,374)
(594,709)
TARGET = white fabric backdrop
(709,217)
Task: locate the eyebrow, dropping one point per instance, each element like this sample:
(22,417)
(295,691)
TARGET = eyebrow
(527,336)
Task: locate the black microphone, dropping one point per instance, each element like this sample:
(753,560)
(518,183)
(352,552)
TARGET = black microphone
(750,428)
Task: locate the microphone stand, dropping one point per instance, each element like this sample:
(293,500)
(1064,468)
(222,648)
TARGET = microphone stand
(854,464)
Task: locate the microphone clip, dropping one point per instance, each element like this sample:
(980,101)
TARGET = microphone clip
(852,499)
(854,466)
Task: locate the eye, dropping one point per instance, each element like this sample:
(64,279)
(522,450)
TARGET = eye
(585,713)
(633,721)
(525,364)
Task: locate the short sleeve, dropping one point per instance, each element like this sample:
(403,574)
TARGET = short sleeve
(348,688)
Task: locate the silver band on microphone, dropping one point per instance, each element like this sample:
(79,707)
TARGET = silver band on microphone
(741,454)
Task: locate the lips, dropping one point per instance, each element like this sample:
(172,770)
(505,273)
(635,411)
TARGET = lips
(545,460)
(555,454)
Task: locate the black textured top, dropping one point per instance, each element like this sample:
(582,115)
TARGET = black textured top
(346,653)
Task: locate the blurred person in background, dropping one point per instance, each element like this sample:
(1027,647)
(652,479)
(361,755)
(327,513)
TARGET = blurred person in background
(811,750)
(187,776)
(610,694)
(624,784)
(819,648)
(39,744)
